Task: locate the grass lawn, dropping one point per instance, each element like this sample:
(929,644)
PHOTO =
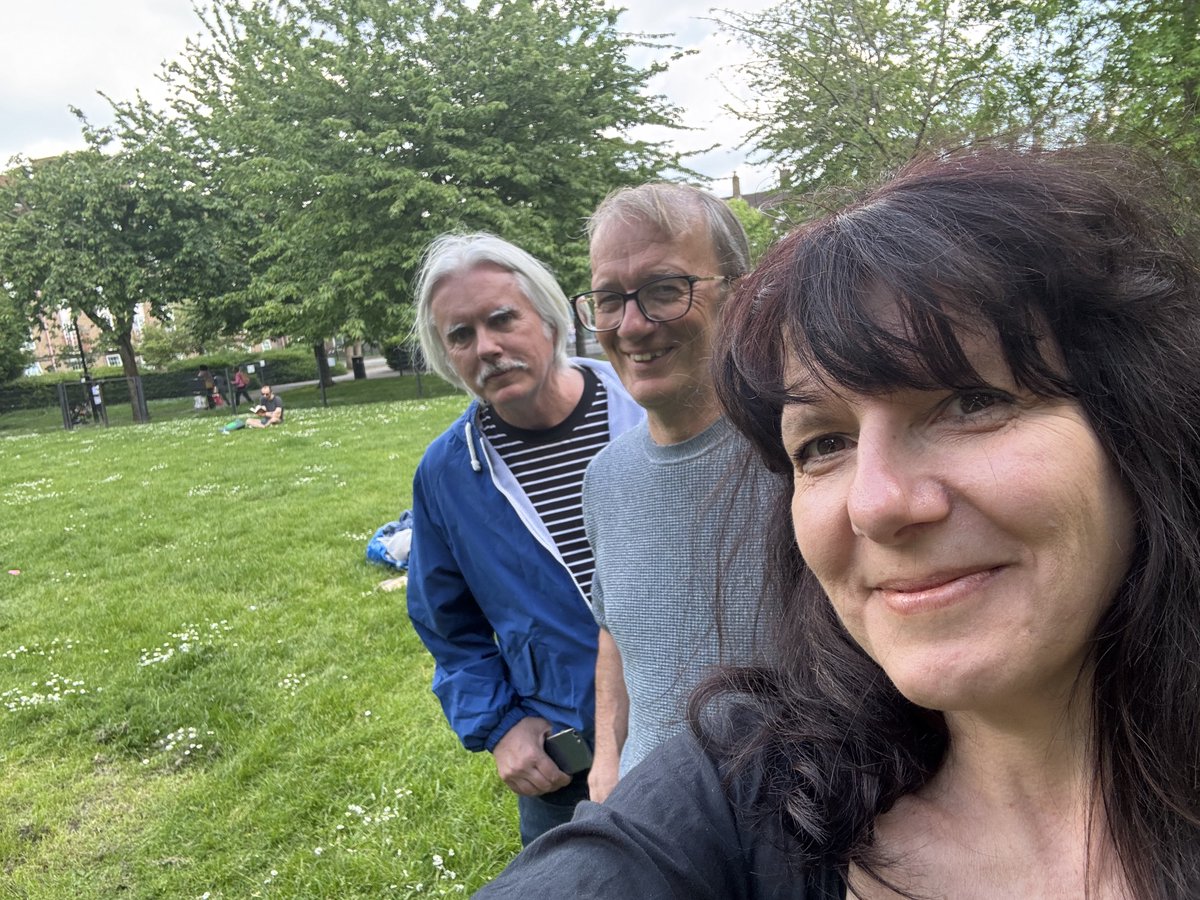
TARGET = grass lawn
(202,691)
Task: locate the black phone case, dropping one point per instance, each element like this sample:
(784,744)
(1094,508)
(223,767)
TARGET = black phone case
(569,751)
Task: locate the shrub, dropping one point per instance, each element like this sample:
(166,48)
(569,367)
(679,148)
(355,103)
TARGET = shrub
(283,366)
(401,356)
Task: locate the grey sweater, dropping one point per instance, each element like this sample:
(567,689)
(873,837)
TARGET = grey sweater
(676,531)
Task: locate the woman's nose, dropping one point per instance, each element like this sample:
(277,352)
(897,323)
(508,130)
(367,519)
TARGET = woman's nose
(895,486)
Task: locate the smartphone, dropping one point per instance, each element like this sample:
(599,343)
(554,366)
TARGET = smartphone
(569,751)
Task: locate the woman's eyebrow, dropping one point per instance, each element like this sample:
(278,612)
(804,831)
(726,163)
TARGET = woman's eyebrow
(811,413)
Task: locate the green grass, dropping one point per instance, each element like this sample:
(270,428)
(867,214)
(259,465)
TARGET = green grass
(172,578)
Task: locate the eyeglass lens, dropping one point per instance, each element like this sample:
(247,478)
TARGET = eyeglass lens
(660,300)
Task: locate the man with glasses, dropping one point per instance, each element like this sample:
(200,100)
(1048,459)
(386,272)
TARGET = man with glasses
(500,569)
(672,507)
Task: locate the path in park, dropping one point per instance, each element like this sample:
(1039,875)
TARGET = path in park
(376,367)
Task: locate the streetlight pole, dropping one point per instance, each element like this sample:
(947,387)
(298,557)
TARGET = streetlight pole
(91,393)
(79,343)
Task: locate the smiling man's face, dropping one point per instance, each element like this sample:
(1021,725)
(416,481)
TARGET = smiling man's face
(663,365)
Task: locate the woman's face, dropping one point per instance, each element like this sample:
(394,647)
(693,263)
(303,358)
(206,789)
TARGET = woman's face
(969,540)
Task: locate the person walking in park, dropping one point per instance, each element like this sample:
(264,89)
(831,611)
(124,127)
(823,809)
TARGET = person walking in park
(241,381)
(208,384)
(673,507)
(500,569)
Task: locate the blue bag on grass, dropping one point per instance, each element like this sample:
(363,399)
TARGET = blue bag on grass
(389,546)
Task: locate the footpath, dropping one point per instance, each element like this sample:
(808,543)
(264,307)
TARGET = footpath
(376,367)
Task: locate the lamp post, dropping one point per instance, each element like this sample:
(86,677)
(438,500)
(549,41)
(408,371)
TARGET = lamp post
(91,392)
(79,343)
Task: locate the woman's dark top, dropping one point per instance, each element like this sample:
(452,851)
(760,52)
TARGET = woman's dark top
(667,831)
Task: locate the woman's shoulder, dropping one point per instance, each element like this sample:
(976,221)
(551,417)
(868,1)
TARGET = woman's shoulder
(668,830)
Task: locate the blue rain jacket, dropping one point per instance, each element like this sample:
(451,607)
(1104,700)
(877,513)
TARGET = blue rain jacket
(488,592)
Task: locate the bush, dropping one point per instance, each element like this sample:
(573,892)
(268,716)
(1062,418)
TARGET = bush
(282,367)
(401,356)
(34,393)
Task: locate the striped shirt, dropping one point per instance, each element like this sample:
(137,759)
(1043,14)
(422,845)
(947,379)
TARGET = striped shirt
(549,466)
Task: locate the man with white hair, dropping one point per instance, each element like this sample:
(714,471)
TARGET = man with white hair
(500,569)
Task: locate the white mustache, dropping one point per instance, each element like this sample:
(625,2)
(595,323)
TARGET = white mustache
(498,368)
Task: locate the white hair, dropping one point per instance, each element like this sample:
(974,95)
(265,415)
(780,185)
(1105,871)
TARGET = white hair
(454,254)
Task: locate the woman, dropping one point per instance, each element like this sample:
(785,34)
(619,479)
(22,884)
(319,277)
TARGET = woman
(241,381)
(981,382)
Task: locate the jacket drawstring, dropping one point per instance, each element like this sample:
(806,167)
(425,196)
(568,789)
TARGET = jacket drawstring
(475,464)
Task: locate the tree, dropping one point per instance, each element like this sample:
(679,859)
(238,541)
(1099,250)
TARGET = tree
(1149,73)
(159,345)
(844,90)
(105,233)
(14,335)
(356,130)
(761,229)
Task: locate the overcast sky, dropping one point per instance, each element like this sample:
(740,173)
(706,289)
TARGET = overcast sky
(60,53)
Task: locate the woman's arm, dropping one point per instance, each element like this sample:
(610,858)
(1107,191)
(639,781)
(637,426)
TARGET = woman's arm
(666,831)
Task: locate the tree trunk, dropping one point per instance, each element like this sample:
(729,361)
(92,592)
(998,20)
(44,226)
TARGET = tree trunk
(1191,84)
(322,364)
(130,368)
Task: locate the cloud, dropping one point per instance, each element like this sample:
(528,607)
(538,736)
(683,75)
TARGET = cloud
(703,85)
(62,53)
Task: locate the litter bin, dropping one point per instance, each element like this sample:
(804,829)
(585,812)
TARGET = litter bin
(360,368)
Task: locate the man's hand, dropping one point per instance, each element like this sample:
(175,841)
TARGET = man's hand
(522,762)
(605,773)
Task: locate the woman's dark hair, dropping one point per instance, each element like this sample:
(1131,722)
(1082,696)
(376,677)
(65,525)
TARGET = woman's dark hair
(1092,293)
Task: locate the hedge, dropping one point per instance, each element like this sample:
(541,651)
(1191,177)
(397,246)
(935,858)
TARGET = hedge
(282,367)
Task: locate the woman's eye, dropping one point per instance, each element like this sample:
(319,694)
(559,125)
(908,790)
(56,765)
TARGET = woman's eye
(970,403)
(975,402)
(826,445)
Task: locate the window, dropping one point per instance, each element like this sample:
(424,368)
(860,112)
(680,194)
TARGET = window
(112,359)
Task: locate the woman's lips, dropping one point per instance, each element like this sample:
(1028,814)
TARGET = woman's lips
(913,596)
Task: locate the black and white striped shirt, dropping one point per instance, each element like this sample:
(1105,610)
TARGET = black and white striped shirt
(549,466)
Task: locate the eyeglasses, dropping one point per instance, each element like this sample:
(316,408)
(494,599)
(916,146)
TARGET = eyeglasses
(660,300)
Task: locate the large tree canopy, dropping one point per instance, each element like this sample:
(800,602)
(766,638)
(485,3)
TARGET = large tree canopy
(1148,71)
(354,131)
(103,233)
(843,90)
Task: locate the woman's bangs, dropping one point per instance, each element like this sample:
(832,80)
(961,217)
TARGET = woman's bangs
(873,332)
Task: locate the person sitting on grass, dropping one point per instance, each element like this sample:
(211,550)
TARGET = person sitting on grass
(268,412)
